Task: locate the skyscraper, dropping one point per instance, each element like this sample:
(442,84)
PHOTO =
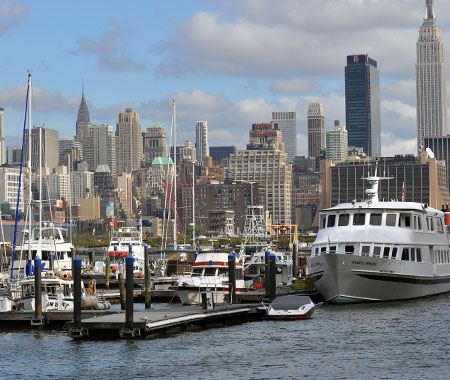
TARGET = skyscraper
(2,137)
(287,124)
(337,143)
(316,129)
(83,118)
(362,104)
(100,147)
(45,140)
(201,140)
(154,142)
(128,142)
(431,80)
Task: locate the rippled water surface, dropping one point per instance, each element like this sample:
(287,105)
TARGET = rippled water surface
(402,340)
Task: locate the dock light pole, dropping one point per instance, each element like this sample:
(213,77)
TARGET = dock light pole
(129,264)
(232,276)
(294,261)
(266,274)
(37,288)
(147,278)
(272,277)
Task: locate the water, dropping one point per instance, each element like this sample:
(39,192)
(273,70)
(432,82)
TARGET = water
(368,341)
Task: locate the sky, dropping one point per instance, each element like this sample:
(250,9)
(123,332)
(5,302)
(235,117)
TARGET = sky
(230,62)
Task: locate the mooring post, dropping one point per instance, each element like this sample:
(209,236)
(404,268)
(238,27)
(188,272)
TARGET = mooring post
(92,260)
(232,276)
(294,261)
(107,269)
(147,278)
(122,291)
(272,276)
(266,274)
(129,263)
(77,292)
(37,288)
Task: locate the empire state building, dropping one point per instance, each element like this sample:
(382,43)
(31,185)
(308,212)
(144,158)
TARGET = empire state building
(431,80)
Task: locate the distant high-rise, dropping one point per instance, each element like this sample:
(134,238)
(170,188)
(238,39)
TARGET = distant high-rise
(128,142)
(287,124)
(2,137)
(49,146)
(221,153)
(201,140)
(154,142)
(100,147)
(316,129)
(337,143)
(362,104)
(83,118)
(431,80)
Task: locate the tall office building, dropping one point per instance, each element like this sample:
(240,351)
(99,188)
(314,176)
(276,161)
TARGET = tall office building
(337,143)
(2,137)
(287,124)
(221,154)
(201,140)
(128,142)
(316,129)
(431,80)
(83,118)
(100,147)
(362,103)
(45,140)
(154,142)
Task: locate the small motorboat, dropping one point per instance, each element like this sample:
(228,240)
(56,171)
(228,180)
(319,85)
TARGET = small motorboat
(291,307)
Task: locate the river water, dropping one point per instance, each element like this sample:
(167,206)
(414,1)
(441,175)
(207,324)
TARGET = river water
(395,340)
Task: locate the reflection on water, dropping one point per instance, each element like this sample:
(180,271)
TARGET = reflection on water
(389,340)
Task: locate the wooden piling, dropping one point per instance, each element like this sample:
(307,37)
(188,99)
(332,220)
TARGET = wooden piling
(147,278)
(122,291)
(232,276)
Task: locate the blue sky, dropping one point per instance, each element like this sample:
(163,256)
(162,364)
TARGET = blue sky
(229,62)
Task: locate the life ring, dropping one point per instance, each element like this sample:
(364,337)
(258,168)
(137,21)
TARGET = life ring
(69,277)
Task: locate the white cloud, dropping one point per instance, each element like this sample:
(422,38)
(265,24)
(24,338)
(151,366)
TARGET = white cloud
(392,145)
(11,14)
(292,86)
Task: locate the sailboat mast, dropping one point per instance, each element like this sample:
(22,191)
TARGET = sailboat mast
(40,191)
(69,164)
(29,171)
(174,126)
(193,204)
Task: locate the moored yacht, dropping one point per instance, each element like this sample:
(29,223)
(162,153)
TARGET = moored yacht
(119,247)
(380,251)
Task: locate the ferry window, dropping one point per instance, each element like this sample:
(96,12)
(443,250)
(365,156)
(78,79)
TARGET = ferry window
(350,249)
(439,225)
(376,251)
(197,271)
(386,252)
(394,253)
(343,220)
(413,254)
(430,223)
(223,271)
(210,272)
(323,250)
(419,255)
(419,222)
(415,222)
(317,251)
(405,254)
(332,249)
(324,219)
(375,219)
(331,220)
(359,219)
(407,221)
(390,220)
(365,250)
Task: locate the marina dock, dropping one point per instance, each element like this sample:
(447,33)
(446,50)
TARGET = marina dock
(152,322)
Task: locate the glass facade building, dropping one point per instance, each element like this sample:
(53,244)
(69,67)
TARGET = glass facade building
(219,153)
(362,104)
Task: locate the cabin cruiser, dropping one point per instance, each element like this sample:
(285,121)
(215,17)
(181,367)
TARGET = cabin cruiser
(119,247)
(380,251)
(209,271)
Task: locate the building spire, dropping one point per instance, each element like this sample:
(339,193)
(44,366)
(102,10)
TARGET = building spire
(429,12)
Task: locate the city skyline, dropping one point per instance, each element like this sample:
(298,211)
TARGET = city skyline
(140,65)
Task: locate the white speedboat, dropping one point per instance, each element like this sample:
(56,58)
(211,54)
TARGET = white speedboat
(291,307)
(380,251)
(209,271)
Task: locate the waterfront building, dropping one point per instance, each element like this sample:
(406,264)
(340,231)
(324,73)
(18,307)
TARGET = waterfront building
(154,142)
(287,124)
(316,129)
(49,145)
(337,143)
(220,154)
(9,186)
(362,103)
(201,140)
(100,147)
(128,142)
(2,137)
(221,222)
(431,80)
(264,161)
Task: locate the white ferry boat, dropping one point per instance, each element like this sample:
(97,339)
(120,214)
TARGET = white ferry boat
(380,251)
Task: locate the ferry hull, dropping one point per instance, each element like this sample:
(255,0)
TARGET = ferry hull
(345,279)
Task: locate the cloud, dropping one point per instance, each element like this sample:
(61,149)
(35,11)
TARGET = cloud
(290,38)
(43,100)
(11,15)
(107,51)
(291,86)
(392,145)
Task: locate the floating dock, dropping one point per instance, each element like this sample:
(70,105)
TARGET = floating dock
(152,322)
